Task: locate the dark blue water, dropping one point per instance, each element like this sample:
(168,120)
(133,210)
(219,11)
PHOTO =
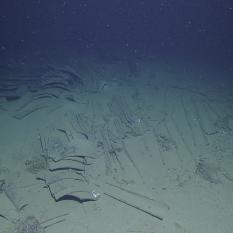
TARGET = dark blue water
(199,32)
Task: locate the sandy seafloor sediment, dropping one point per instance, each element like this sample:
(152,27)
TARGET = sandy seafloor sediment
(162,141)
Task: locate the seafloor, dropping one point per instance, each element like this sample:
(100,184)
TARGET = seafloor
(92,146)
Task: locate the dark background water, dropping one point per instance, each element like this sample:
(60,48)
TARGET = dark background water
(198,31)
